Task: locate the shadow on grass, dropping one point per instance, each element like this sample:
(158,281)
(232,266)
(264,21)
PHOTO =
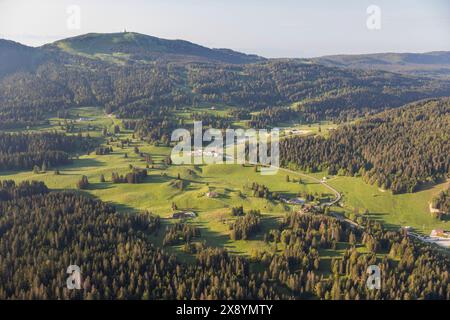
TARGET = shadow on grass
(223,196)
(378,216)
(100,186)
(12,173)
(213,238)
(122,208)
(79,164)
(429,185)
(153,178)
(267,223)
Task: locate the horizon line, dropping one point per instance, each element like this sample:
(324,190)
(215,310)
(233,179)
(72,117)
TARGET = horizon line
(240,50)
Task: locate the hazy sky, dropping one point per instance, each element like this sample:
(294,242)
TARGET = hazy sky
(271,28)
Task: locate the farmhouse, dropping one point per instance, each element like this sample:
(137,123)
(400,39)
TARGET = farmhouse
(183,215)
(297,201)
(433,210)
(212,194)
(81,119)
(439,233)
(309,208)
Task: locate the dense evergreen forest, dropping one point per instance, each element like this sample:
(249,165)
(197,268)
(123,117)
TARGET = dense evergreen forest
(155,126)
(398,149)
(44,232)
(133,90)
(156,73)
(268,117)
(23,151)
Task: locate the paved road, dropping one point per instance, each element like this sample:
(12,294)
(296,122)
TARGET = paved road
(444,244)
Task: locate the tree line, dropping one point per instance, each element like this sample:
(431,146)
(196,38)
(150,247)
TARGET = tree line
(25,150)
(442,203)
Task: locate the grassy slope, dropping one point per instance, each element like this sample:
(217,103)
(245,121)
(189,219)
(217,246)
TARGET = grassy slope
(394,210)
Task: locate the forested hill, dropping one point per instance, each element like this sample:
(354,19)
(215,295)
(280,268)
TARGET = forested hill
(132,47)
(134,72)
(323,92)
(15,57)
(398,149)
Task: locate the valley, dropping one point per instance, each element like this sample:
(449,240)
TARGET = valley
(87,177)
(231,183)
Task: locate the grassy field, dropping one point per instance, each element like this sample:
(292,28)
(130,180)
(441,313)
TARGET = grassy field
(158,192)
(410,209)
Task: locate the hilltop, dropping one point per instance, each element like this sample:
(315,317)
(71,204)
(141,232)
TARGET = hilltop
(141,47)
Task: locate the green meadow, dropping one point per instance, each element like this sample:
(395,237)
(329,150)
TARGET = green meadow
(409,209)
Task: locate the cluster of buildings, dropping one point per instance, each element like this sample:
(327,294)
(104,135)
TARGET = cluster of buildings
(440,233)
(440,237)
(211,152)
(437,236)
(305,207)
(310,208)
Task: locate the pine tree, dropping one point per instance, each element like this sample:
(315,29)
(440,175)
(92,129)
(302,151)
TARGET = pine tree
(44,167)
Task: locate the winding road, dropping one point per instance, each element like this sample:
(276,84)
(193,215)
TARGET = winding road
(338,195)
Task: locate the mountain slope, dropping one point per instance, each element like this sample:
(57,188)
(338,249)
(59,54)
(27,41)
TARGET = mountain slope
(398,149)
(323,93)
(16,57)
(135,46)
(431,64)
(133,74)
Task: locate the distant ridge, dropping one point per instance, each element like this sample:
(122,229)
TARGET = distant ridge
(16,57)
(432,64)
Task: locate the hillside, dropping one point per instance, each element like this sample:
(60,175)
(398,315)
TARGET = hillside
(323,93)
(132,74)
(131,47)
(431,64)
(398,149)
(15,57)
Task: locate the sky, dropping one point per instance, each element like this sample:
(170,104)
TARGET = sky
(270,28)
